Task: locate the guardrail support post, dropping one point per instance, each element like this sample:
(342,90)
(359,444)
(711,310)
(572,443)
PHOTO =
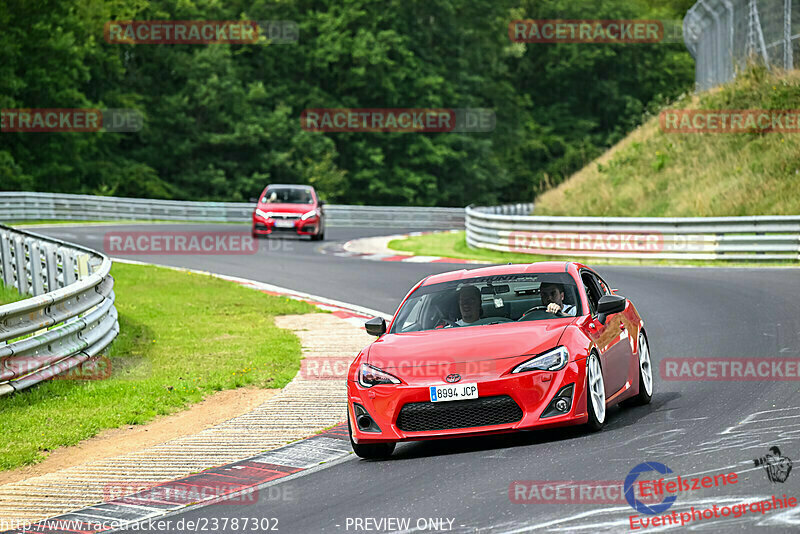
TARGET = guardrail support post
(5,260)
(37,277)
(19,260)
(51,266)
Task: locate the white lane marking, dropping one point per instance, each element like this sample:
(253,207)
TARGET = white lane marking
(421,259)
(305,453)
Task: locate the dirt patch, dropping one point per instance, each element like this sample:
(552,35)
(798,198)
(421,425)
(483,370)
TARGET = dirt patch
(213,410)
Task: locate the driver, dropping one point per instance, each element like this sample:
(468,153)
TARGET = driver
(469,302)
(553,298)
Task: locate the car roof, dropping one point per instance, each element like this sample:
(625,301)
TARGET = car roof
(295,186)
(515,268)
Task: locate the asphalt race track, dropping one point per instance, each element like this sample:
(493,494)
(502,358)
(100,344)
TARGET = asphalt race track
(694,427)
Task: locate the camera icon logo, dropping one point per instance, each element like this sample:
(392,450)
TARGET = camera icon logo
(777,466)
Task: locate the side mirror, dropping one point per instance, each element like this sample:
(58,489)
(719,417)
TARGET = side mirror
(609,304)
(321,203)
(376,326)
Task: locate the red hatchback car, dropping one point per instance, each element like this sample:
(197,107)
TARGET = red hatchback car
(495,350)
(289,209)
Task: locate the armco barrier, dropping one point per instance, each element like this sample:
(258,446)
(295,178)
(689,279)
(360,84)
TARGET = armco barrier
(70,316)
(21,206)
(757,238)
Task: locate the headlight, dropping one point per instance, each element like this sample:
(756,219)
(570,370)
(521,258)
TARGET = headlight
(549,361)
(369,376)
(308,215)
(262,213)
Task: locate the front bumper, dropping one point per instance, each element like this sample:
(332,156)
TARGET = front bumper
(264,226)
(532,392)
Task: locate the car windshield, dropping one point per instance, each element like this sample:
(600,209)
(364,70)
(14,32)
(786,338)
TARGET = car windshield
(287,195)
(488,300)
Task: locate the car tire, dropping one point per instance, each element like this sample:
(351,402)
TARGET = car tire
(595,393)
(369,451)
(646,382)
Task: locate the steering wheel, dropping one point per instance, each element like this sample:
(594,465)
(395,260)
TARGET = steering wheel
(535,308)
(443,317)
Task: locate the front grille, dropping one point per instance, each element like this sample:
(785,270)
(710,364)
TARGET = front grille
(286,216)
(421,416)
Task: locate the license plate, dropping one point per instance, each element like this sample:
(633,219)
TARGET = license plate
(284,224)
(451,393)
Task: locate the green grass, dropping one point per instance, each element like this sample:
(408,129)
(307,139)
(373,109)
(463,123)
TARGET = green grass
(57,222)
(652,173)
(182,337)
(454,245)
(9,295)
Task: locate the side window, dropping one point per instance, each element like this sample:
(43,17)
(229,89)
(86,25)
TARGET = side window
(411,318)
(592,291)
(604,289)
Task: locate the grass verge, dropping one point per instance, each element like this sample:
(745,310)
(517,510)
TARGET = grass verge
(182,337)
(9,295)
(651,173)
(454,245)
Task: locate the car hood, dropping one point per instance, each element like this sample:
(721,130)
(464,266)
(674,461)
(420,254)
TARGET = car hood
(286,208)
(473,352)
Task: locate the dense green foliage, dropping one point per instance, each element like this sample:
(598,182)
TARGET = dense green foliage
(222,121)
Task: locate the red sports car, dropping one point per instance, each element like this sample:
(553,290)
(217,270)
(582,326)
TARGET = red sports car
(495,350)
(289,209)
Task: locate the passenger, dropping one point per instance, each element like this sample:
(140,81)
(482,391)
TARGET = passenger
(553,298)
(469,302)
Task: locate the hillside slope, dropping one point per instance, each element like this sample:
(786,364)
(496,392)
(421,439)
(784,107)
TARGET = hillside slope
(652,173)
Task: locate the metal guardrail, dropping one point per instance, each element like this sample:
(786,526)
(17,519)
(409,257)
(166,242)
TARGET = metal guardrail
(21,206)
(757,238)
(70,317)
(723,35)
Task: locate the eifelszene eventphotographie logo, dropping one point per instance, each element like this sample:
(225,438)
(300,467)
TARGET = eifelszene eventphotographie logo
(636,504)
